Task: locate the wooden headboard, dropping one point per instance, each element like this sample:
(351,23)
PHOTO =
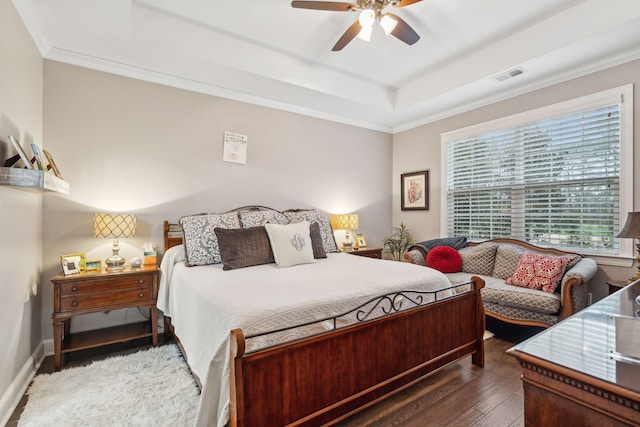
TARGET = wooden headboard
(172,235)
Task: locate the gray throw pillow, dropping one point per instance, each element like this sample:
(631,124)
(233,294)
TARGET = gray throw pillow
(479,259)
(200,241)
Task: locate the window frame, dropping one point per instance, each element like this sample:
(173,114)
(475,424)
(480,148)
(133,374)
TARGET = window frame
(622,95)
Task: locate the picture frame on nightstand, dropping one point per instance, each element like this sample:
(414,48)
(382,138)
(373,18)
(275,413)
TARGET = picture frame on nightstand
(94,265)
(70,265)
(360,241)
(82,263)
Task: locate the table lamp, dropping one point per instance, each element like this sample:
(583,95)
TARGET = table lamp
(631,230)
(114,225)
(345,222)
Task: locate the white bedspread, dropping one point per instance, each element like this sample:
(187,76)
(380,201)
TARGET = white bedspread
(205,303)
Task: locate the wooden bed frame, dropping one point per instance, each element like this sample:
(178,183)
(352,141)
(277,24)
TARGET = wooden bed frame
(326,378)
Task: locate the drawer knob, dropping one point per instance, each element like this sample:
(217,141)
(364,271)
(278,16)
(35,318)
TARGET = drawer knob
(141,281)
(74,303)
(75,288)
(141,294)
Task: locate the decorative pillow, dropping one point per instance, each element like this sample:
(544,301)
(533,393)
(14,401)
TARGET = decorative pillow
(479,259)
(258,218)
(536,271)
(316,241)
(444,259)
(244,247)
(200,241)
(328,240)
(507,257)
(291,243)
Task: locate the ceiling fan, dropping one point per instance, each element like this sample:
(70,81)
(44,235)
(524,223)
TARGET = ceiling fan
(371,11)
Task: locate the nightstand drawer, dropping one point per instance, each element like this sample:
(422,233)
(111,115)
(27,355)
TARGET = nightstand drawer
(98,300)
(102,285)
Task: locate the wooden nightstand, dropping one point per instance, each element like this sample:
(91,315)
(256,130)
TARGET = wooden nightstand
(96,291)
(616,285)
(367,252)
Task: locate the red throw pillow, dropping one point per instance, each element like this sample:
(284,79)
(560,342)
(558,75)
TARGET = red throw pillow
(537,271)
(444,259)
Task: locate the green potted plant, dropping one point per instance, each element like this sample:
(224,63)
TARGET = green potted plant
(397,244)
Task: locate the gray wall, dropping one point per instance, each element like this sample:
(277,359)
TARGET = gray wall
(131,146)
(420,148)
(20,211)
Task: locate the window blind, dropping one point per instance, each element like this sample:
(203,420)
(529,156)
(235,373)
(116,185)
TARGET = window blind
(554,181)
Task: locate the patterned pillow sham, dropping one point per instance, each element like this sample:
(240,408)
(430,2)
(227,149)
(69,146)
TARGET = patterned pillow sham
(244,247)
(328,240)
(200,241)
(258,218)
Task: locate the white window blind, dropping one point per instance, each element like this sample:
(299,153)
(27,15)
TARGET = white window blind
(553,181)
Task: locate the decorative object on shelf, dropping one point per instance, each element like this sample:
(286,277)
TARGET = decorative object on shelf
(414,191)
(37,158)
(135,262)
(235,148)
(397,244)
(70,264)
(360,241)
(631,230)
(52,165)
(114,225)
(20,156)
(345,222)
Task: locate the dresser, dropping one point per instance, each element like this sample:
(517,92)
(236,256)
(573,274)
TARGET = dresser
(101,291)
(585,371)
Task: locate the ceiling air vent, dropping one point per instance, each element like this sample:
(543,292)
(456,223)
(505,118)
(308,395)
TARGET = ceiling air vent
(508,74)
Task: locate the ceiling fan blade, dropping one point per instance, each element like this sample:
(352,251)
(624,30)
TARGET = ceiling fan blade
(403,3)
(323,5)
(348,35)
(403,31)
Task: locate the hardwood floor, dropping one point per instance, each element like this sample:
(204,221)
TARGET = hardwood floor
(458,395)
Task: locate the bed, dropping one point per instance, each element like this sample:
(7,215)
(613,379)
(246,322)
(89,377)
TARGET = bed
(313,343)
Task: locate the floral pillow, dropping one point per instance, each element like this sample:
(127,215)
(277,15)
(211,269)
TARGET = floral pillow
(200,240)
(536,271)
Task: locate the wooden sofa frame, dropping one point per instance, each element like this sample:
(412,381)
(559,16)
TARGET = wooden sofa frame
(328,377)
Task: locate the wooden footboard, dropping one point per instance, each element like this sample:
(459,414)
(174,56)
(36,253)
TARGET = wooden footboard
(326,378)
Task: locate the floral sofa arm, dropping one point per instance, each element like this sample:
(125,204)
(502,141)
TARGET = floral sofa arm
(574,287)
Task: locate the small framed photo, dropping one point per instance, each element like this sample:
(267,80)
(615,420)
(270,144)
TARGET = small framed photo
(70,265)
(94,264)
(82,263)
(52,165)
(21,152)
(235,148)
(414,191)
(360,241)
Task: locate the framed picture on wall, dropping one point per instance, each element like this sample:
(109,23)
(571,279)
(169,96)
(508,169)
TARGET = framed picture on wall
(414,191)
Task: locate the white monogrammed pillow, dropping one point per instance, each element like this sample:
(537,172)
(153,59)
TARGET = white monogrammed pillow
(291,243)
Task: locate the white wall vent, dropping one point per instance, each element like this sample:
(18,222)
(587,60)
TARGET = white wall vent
(509,74)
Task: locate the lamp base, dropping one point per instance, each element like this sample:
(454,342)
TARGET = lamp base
(115,263)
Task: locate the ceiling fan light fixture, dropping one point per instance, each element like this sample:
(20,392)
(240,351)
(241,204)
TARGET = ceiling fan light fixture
(367,18)
(388,24)
(365,33)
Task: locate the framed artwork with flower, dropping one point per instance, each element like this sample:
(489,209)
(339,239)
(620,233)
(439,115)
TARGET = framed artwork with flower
(414,191)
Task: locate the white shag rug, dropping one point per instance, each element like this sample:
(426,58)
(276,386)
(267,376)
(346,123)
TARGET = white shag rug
(150,388)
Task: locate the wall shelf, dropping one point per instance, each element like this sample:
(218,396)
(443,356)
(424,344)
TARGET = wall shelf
(29,179)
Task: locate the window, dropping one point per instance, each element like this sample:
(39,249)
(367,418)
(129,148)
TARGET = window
(558,176)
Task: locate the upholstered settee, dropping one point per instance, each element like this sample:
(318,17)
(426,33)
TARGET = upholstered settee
(497,262)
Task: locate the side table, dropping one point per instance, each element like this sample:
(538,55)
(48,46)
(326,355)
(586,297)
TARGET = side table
(366,252)
(97,291)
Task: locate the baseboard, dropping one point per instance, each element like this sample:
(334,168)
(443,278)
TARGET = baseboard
(18,387)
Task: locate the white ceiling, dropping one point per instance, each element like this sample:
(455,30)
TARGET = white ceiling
(266,52)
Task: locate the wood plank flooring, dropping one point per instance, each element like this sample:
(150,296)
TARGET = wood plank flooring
(458,395)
